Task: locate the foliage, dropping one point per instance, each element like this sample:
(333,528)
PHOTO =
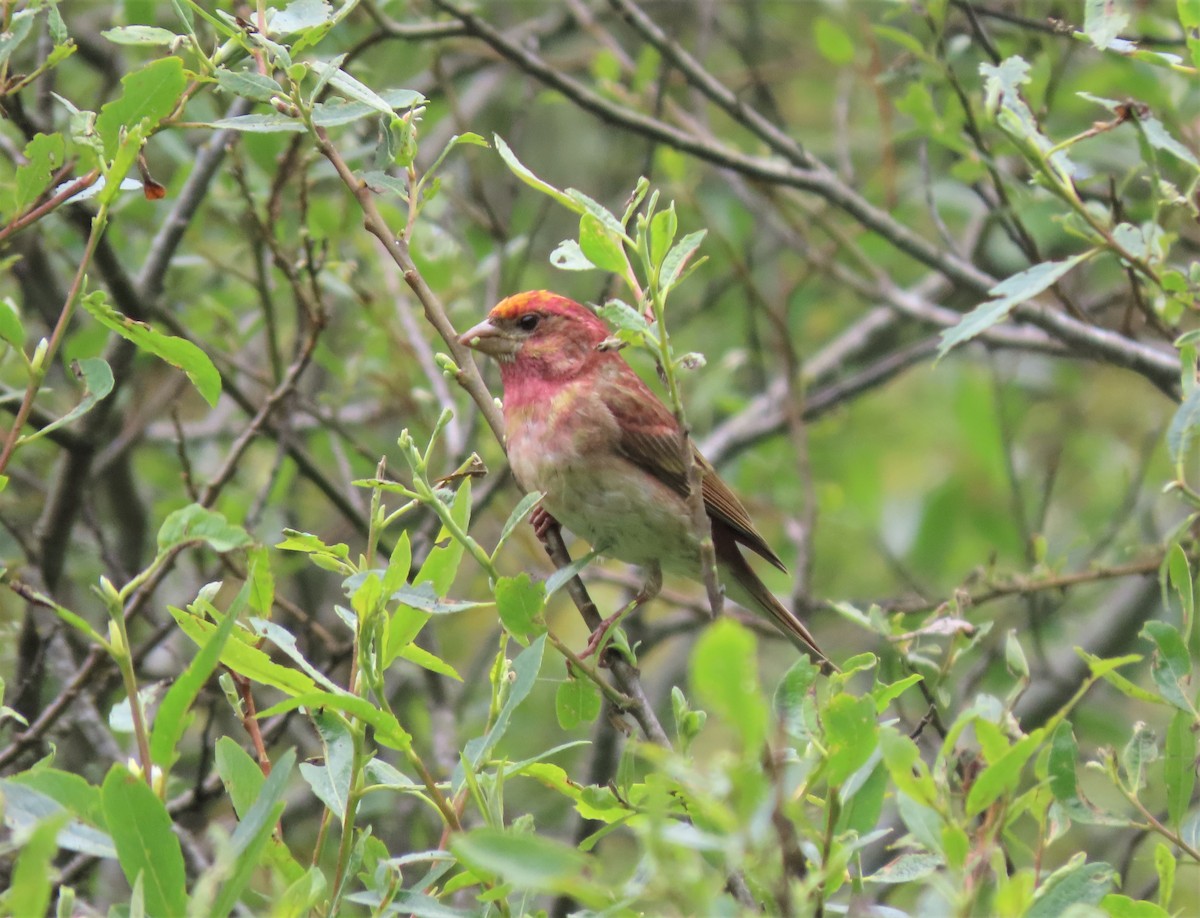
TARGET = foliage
(205,553)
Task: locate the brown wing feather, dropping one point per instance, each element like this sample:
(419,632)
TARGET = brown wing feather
(650,440)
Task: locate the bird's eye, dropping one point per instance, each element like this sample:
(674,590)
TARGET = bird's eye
(529,321)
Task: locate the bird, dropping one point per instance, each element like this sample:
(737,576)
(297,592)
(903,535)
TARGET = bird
(608,456)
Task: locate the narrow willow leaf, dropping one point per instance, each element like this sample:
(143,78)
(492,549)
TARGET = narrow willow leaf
(1006,296)
(178,352)
(146,844)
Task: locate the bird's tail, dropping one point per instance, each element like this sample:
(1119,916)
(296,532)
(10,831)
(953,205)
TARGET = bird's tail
(745,588)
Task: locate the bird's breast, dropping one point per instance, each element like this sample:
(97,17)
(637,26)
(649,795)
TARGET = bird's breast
(598,494)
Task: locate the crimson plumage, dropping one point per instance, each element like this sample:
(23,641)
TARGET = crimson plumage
(582,428)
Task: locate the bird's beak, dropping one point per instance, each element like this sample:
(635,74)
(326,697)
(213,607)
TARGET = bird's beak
(491,340)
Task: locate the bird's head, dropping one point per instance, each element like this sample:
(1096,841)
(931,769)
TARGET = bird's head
(539,334)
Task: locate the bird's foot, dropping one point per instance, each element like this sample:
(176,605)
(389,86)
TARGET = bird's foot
(597,641)
(542,522)
(649,590)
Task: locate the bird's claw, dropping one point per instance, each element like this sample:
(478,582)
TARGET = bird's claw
(597,639)
(542,522)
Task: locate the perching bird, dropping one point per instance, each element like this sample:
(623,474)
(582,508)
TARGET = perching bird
(582,428)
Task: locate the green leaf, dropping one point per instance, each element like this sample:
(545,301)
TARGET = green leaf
(249,84)
(67,789)
(286,641)
(426,660)
(568,256)
(850,735)
(1078,882)
(1118,906)
(904,764)
(861,810)
(624,318)
(97,379)
(906,868)
(1159,138)
(261,581)
(1103,20)
(1140,751)
(254,832)
(600,245)
(43,155)
(1179,766)
(1171,666)
(399,566)
(521,172)
(387,729)
(12,331)
(244,659)
(331,780)
(1189,18)
(33,874)
(560,577)
(148,96)
(677,258)
(355,90)
(1007,295)
(1061,764)
(1179,571)
(834,42)
(172,718)
(194,523)
(591,802)
(1185,425)
(178,352)
(1003,99)
(922,821)
(526,861)
(25,805)
(311,544)
(724,678)
(139,35)
(525,670)
(791,693)
(576,702)
(663,227)
(1164,866)
(240,774)
(520,601)
(272,123)
(146,846)
(18,30)
(520,512)
(299,15)
(886,694)
(1002,776)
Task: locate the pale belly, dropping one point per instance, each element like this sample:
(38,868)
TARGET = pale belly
(622,511)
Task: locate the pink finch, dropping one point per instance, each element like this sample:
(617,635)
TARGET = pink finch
(582,428)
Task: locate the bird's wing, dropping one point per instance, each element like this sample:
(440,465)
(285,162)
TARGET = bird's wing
(649,438)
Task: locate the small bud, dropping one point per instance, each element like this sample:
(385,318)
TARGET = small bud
(208,592)
(231,694)
(109,592)
(447,364)
(158,781)
(39,355)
